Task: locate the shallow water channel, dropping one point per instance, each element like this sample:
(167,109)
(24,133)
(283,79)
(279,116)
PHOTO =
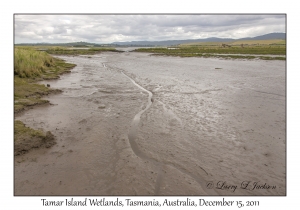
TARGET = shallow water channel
(135,124)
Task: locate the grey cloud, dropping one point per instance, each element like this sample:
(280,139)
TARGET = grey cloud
(110,28)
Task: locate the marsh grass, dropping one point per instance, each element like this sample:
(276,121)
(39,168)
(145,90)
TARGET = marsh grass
(30,63)
(21,130)
(26,138)
(31,66)
(239,42)
(252,52)
(78,51)
(27,93)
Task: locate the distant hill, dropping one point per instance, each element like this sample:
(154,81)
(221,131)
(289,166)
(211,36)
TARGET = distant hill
(161,43)
(171,42)
(211,39)
(267,36)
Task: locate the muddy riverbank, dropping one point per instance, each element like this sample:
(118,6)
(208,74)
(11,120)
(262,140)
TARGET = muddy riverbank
(132,124)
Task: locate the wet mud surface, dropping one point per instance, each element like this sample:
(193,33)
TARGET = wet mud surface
(133,124)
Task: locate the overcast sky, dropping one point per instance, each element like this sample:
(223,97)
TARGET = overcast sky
(112,28)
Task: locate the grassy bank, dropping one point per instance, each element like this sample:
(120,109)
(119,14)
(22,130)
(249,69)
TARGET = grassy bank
(236,52)
(31,66)
(239,42)
(26,138)
(36,65)
(78,51)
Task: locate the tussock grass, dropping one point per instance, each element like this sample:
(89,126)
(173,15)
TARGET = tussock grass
(30,66)
(30,63)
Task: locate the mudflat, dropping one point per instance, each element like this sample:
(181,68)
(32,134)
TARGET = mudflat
(135,124)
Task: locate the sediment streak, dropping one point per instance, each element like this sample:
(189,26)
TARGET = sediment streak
(160,165)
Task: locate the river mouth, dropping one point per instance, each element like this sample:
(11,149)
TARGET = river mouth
(133,124)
